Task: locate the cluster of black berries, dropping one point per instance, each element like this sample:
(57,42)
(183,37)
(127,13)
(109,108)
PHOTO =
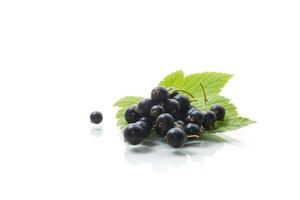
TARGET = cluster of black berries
(171,115)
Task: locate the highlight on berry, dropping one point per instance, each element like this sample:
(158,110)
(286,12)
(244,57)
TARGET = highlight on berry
(169,113)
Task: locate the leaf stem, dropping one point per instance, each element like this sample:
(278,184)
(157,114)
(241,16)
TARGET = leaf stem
(204,93)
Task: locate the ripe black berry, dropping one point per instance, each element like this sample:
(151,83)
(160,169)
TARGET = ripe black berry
(156,111)
(196,117)
(134,134)
(183,101)
(192,129)
(144,107)
(172,106)
(219,110)
(176,137)
(190,110)
(209,120)
(131,115)
(145,123)
(159,94)
(96,117)
(165,121)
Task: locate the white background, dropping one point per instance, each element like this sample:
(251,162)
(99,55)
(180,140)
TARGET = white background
(61,60)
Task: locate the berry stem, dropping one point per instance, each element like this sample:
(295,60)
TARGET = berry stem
(204,94)
(184,91)
(193,136)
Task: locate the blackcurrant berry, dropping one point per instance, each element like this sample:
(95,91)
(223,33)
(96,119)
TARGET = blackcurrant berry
(192,129)
(159,94)
(165,121)
(131,115)
(134,134)
(144,107)
(183,101)
(219,110)
(145,123)
(156,111)
(172,106)
(196,117)
(96,117)
(209,120)
(176,137)
(190,110)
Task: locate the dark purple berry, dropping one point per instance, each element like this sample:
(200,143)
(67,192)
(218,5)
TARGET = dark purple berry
(165,121)
(176,137)
(96,117)
(144,107)
(219,110)
(159,94)
(156,111)
(131,115)
(183,101)
(134,134)
(192,129)
(196,117)
(209,120)
(172,106)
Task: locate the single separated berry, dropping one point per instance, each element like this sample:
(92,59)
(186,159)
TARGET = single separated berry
(219,110)
(156,111)
(196,117)
(159,94)
(134,134)
(172,106)
(131,115)
(165,121)
(176,137)
(96,117)
(144,106)
(183,101)
(192,129)
(209,120)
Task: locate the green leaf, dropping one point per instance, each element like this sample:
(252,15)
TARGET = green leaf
(123,104)
(213,82)
(173,80)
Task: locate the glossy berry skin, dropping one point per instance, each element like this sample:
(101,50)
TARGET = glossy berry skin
(165,121)
(183,101)
(144,106)
(209,120)
(173,107)
(96,117)
(134,134)
(146,127)
(196,117)
(176,137)
(131,115)
(190,110)
(156,111)
(219,110)
(159,94)
(192,129)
